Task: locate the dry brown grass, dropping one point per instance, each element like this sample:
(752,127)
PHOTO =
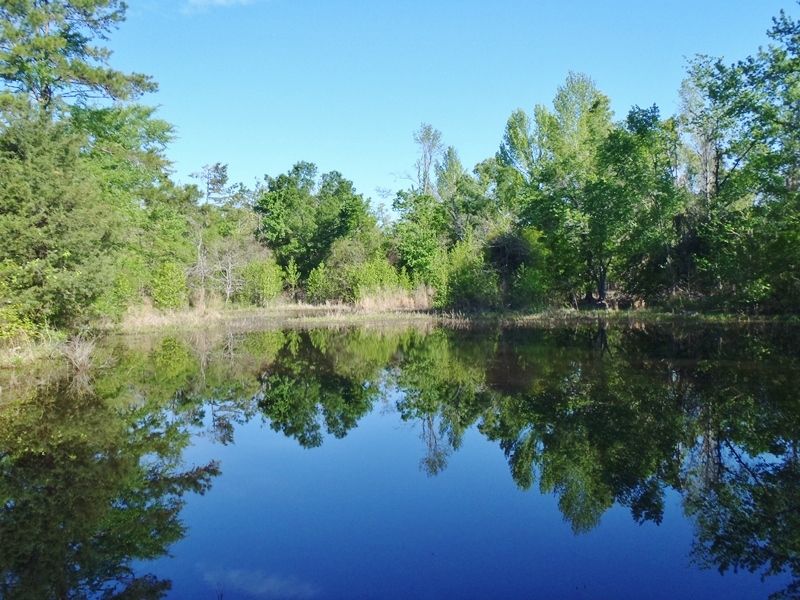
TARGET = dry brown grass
(26,351)
(390,305)
(80,353)
(146,318)
(397,299)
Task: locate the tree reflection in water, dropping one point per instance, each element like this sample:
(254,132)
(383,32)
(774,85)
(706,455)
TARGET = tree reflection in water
(597,416)
(86,488)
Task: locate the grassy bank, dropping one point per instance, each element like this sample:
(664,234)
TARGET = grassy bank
(52,346)
(279,315)
(292,315)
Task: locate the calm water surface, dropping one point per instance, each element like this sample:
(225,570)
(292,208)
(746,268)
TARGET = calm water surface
(589,462)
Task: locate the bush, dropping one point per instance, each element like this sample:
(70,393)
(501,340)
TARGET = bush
(263,281)
(531,283)
(529,287)
(470,283)
(354,282)
(346,258)
(168,286)
(374,276)
(437,277)
(13,326)
(318,287)
(125,288)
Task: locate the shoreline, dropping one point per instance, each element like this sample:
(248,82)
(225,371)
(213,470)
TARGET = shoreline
(302,315)
(144,322)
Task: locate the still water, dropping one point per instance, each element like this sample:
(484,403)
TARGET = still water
(584,462)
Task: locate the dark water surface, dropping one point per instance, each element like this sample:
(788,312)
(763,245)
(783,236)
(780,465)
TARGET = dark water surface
(588,462)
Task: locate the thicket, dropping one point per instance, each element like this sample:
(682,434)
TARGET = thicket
(698,210)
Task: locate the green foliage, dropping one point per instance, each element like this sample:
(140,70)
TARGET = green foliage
(352,274)
(263,281)
(318,286)
(114,486)
(346,256)
(14,326)
(438,273)
(520,257)
(168,286)
(58,231)
(301,218)
(130,279)
(697,210)
(417,234)
(470,282)
(48,50)
(292,278)
(376,275)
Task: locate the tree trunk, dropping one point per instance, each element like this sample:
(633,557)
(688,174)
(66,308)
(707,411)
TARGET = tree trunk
(601,285)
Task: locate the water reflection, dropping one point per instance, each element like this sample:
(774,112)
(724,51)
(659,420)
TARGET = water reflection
(92,477)
(86,487)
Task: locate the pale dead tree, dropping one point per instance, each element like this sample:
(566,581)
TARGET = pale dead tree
(201,271)
(230,261)
(703,142)
(430,145)
(232,253)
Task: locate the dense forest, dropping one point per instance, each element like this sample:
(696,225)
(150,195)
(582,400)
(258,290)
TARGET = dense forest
(698,211)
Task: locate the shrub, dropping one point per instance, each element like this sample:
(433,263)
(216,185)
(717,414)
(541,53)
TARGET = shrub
(13,326)
(263,281)
(168,286)
(470,283)
(531,282)
(292,278)
(529,287)
(318,287)
(130,273)
(436,277)
(373,276)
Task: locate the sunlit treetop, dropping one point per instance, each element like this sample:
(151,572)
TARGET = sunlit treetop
(48,51)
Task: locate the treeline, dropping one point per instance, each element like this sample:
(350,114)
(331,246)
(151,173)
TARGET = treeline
(698,210)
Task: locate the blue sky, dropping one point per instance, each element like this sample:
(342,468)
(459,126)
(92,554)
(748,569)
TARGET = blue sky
(261,84)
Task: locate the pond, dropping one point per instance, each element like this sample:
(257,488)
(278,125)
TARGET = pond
(592,461)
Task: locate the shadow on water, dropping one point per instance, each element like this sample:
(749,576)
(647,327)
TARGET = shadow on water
(92,477)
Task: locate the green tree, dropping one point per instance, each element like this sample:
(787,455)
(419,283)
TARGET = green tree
(556,155)
(48,51)
(215,179)
(747,113)
(292,278)
(461,195)
(168,286)
(263,281)
(302,218)
(58,230)
(419,234)
(340,213)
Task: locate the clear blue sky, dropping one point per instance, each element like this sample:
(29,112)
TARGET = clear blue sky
(261,84)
